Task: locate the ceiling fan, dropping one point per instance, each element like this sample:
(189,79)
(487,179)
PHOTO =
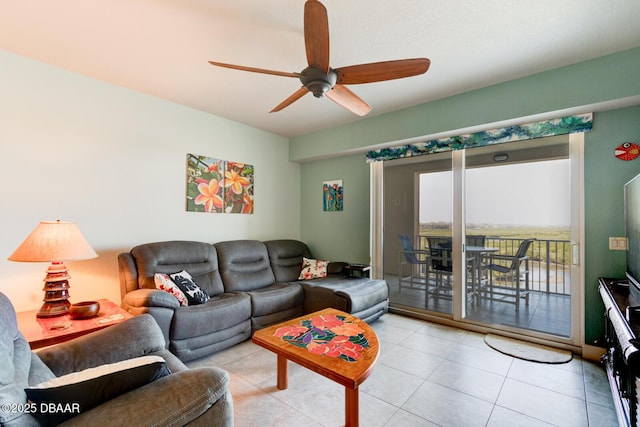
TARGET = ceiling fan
(320,79)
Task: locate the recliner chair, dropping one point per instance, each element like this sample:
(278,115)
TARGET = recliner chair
(193,331)
(195,397)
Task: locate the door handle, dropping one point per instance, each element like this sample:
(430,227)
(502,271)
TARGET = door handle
(575,254)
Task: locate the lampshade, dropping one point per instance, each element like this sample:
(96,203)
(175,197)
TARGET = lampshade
(54,241)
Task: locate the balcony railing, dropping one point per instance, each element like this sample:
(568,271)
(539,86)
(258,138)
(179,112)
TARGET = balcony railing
(549,261)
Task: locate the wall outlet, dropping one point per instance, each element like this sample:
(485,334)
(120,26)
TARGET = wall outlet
(618,243)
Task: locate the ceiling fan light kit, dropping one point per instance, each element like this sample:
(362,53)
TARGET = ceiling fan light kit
(318,82)
(320,79)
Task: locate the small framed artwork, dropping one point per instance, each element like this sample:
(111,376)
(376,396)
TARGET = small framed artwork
(332,196)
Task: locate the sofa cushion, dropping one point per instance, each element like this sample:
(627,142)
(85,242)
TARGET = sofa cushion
(80,391)
(285,256)
(275,298)
(336,267)
(194,397)
(198,258)
(220,312)
(244,265)
(364,293)
(348,294)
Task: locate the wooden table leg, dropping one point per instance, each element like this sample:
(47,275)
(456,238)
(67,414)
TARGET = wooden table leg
(283,373)
(351,407)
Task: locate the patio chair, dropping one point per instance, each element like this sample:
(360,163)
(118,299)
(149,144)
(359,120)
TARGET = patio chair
(478,240)
(417,264)
(440,249)
(513,269)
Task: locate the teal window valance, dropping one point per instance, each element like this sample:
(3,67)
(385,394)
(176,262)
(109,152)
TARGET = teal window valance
(561,126)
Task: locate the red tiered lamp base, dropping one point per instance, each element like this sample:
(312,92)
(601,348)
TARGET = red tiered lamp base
(56,291)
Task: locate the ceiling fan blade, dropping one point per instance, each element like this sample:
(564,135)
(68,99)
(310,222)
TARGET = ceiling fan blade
(291,99)
(255,70)
(316,35)
(381,71)
(342,96)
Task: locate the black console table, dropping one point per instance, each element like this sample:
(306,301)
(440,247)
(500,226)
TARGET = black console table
(622,359)
(362,269)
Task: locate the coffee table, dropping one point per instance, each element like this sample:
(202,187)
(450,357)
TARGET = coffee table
(329,342)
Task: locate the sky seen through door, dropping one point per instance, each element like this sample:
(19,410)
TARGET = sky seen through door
(531,194)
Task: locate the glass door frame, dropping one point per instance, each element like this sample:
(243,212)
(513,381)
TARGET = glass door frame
(576,150)
(458,234)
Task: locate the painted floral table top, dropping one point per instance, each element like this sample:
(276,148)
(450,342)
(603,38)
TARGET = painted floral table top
(330,335)
(330,342)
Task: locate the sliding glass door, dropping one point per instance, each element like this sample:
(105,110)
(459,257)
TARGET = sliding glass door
(497,229)
(518,233)
(435,213)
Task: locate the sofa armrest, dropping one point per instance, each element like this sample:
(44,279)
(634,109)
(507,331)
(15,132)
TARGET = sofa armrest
(175,400)
(150,298)
(134,337)
(336,267)
(128,273)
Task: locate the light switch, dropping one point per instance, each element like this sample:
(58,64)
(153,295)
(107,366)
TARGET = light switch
(622,243)
(618,243)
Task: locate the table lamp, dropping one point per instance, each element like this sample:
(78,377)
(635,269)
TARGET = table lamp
(55,242)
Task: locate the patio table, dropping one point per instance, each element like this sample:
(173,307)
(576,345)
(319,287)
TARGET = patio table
(476,267)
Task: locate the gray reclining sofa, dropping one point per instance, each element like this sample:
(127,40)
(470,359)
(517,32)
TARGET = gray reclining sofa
(250,284)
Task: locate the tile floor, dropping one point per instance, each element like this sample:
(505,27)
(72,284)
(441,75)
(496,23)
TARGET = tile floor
(427,375)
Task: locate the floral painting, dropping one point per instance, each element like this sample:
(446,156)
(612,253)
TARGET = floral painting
(238,185)
(327,335)
(218,186)
(205,180)
(332,196)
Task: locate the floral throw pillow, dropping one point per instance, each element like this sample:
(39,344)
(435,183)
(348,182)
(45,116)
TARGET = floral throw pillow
(185,282)
(313,269)
(164,283)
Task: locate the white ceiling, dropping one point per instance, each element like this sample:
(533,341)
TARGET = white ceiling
(161,47)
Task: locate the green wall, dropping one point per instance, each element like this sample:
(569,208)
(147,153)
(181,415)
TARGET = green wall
(597,81)
(600,85)
(605,176)
(337,236)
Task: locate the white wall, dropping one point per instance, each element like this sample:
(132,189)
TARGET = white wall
(114,161)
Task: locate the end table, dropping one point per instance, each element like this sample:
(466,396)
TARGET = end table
(42,331)
(362,269)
